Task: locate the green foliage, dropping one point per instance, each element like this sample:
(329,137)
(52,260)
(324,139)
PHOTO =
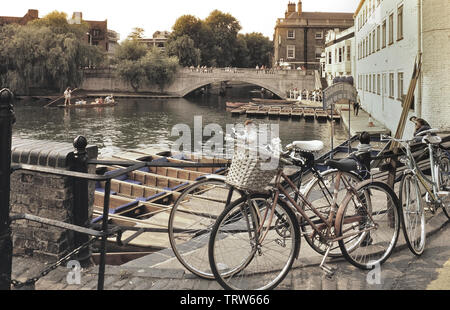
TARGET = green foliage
(137,33)
(184,49)
(138,66)
(47,53)
(216,42)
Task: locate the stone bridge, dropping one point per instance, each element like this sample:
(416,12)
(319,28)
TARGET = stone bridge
(188,80)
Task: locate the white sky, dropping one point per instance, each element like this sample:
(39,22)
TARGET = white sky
(153,15)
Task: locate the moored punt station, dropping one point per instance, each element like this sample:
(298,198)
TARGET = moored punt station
(252,111)
(297,113)
(285,112)
(263,111)
(335,115)
(308,113)
(274,111)
(321,114)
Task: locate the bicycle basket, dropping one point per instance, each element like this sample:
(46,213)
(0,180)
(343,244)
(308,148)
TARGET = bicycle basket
(250,171)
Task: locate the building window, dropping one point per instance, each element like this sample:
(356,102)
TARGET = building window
(291,34)
(290,51)
(391,85)
(319,51)
(373,41)
(378,37)
(383,35)
(349,52)
(378,85)
(384,84)
(340,54)
(391,29)
(400,86)
(374,88)
(367,82)
(319,35)
(329,58)
(370,43)
(400,23)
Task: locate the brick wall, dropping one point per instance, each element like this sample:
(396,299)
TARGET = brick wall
(44,195)
(436,63)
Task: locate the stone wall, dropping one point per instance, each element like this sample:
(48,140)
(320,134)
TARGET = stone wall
(44,195)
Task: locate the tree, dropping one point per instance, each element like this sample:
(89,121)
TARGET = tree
(136,34)
(47,53)
(132,72)
(184,48)
(224,29)
(130,49)
(260,49)
(241,53)
(159,68)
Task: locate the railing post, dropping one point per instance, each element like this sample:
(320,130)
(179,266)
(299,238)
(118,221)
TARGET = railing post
(6,121)
(81,198)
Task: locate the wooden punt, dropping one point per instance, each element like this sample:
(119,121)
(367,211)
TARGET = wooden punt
(336,115)
(285,112)
(271,101)
(297,113)
(238,111)
(235,104)
(88,105)
(263,111)
(274,111)
(252,111)
(308,113)
(321,115)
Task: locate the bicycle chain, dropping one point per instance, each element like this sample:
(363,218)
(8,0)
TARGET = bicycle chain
(32,281)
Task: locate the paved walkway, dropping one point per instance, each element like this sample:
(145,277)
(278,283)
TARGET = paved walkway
(402,271)
(361,122)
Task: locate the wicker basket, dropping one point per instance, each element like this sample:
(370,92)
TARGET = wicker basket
(245,172)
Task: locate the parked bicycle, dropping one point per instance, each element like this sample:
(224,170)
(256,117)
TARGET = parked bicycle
(196,210)
(256,238)
(436,189)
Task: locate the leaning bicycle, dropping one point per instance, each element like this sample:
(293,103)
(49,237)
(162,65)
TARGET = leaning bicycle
(257,238)
(410,194)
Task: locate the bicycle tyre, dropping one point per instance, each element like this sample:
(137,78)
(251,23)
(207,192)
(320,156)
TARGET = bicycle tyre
(444,181)
(237,261)
(370,248)
(189,225)
(313,195)
(416,243)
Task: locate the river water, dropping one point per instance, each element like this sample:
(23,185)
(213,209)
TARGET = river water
(139,123)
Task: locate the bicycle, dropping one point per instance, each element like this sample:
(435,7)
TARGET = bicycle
(436,189)
(197,208)
(255,240)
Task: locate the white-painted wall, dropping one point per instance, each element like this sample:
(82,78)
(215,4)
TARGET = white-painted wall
(432,96)
(339,68)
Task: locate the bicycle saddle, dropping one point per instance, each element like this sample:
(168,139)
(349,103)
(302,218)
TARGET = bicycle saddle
(309,146)
(345,165)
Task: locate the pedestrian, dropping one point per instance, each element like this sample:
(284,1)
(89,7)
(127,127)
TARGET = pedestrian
(67,95)
(356,106)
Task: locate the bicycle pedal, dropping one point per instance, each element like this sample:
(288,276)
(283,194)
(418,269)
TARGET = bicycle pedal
(329,271)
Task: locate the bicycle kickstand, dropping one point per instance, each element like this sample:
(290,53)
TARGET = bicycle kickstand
(328,270)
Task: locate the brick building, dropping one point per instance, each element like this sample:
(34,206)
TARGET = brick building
(389,35)
(31,15)
(299,37)
(97,33)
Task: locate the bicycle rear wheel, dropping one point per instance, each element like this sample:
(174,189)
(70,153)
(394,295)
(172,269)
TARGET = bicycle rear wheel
(444,181)
(320,195)
(368,223)
(251,250)
(191,220)
(413,214)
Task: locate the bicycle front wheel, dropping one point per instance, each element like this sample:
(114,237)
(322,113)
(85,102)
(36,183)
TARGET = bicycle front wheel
(191,220)
(251,247)
(444,182)
(368,225)
(413,214)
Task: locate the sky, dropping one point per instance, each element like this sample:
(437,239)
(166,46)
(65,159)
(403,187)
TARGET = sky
(153,15)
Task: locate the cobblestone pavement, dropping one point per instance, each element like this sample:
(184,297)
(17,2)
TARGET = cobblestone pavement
(403,271)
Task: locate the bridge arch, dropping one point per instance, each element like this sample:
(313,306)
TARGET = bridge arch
(184,92)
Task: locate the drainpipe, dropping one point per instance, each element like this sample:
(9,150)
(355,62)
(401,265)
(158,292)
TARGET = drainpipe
(418,108)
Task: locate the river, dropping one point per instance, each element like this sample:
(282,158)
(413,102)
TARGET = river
(139,123)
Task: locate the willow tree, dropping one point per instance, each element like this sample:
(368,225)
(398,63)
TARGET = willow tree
(48,53)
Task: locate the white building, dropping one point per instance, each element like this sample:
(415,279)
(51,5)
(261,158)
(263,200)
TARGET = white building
(389,35)
(339,53)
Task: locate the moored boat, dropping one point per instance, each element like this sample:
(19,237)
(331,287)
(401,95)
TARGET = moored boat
(297,113)
(235,104)
(321,115)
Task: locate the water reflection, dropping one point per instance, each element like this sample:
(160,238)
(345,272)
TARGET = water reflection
(138,124)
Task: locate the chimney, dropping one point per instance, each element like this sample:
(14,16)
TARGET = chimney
(290,10)
(34,14)
(300,8)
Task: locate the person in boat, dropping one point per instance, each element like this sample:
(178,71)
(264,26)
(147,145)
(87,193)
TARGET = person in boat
(67,96)
(109,99)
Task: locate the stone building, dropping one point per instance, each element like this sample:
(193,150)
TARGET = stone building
(31,15)
(299,37)
(98,31)
(159,40)
(389,36)
(339,54)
